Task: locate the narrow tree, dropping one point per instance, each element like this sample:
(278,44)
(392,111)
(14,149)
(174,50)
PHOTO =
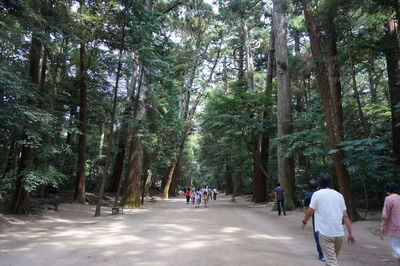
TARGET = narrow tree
(80,169)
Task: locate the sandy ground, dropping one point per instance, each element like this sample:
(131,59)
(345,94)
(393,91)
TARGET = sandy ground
(173,233)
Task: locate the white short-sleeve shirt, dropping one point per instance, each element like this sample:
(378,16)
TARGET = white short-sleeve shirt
(328,205)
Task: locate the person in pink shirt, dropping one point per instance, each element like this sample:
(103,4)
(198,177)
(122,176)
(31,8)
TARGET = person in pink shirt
(391,218)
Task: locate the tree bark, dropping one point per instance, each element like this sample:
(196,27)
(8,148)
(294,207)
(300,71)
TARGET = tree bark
(249,59)
(131,195)
(361,115)
(111,130)
(284,123)
(173,191)
(331,117)
(80,171)
(237,182)
(123,135)
(392,54)
(20,203)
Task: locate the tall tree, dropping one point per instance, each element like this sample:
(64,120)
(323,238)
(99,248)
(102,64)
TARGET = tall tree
(79,195)
(332,108)
(20,202)
(285,164)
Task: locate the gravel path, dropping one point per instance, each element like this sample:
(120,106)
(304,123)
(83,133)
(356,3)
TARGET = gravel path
(173,233)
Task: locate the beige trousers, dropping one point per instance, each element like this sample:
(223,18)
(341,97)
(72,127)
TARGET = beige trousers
(331,248)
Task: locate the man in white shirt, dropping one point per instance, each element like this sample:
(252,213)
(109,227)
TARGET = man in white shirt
(330,212)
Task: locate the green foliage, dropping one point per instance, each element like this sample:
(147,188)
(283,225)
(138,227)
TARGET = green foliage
(34,178)
(369,158)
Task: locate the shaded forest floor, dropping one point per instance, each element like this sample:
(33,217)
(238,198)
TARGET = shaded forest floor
(172,233)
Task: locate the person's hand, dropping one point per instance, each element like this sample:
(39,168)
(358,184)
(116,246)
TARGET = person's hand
(303,225)
(351,239)
(382,230)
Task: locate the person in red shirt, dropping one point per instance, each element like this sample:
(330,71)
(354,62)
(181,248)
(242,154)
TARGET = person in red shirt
(187,193)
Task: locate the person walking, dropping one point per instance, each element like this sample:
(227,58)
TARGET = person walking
(215,193)
(390,225)
(313,184)
(280,198)
(187,193)
(205,197)
(193,195)
(330,212)
(198,198)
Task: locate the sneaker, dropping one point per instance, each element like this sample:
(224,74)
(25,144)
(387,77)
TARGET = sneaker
(322,258)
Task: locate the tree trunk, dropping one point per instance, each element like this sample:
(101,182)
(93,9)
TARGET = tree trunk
(131,193)
(284,123)
(392,55)
(225,75)
(361,115)
(111,130)
(237,182)
(249,59)
(122,143)
(171,171)
(102,133)
(173,191)
(80,171)
(20,203)
(331,117)
(228,177)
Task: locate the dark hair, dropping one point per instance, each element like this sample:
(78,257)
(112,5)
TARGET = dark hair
(313,184)
(324,180)
(278,184)
(390,187)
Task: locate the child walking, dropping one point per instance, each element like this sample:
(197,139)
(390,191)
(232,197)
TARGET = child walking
(205,198)
(193,196)
(198,198)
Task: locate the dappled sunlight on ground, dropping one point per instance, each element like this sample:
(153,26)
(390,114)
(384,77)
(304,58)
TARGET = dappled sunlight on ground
(170,233)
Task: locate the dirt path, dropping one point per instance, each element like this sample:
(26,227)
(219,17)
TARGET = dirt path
(172,233)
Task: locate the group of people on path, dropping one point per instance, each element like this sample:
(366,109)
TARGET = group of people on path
(200,194)
(327,210)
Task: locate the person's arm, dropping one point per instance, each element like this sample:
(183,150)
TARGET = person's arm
(384,221)
(307,215)
(385,215)
(347,223)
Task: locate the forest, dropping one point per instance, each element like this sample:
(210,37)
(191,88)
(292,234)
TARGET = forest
(134,97)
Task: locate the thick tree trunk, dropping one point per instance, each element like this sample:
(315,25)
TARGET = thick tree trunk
(332,119)
(111,130)
(173,190)
(123,135)
(237,182)
(228,177)
(284,123)
(20,202)
(117,169)
(392,54)
(171,171)
(131,193)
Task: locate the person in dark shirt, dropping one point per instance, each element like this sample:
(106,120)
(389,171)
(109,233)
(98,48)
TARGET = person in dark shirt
(313,184)
(280,198)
